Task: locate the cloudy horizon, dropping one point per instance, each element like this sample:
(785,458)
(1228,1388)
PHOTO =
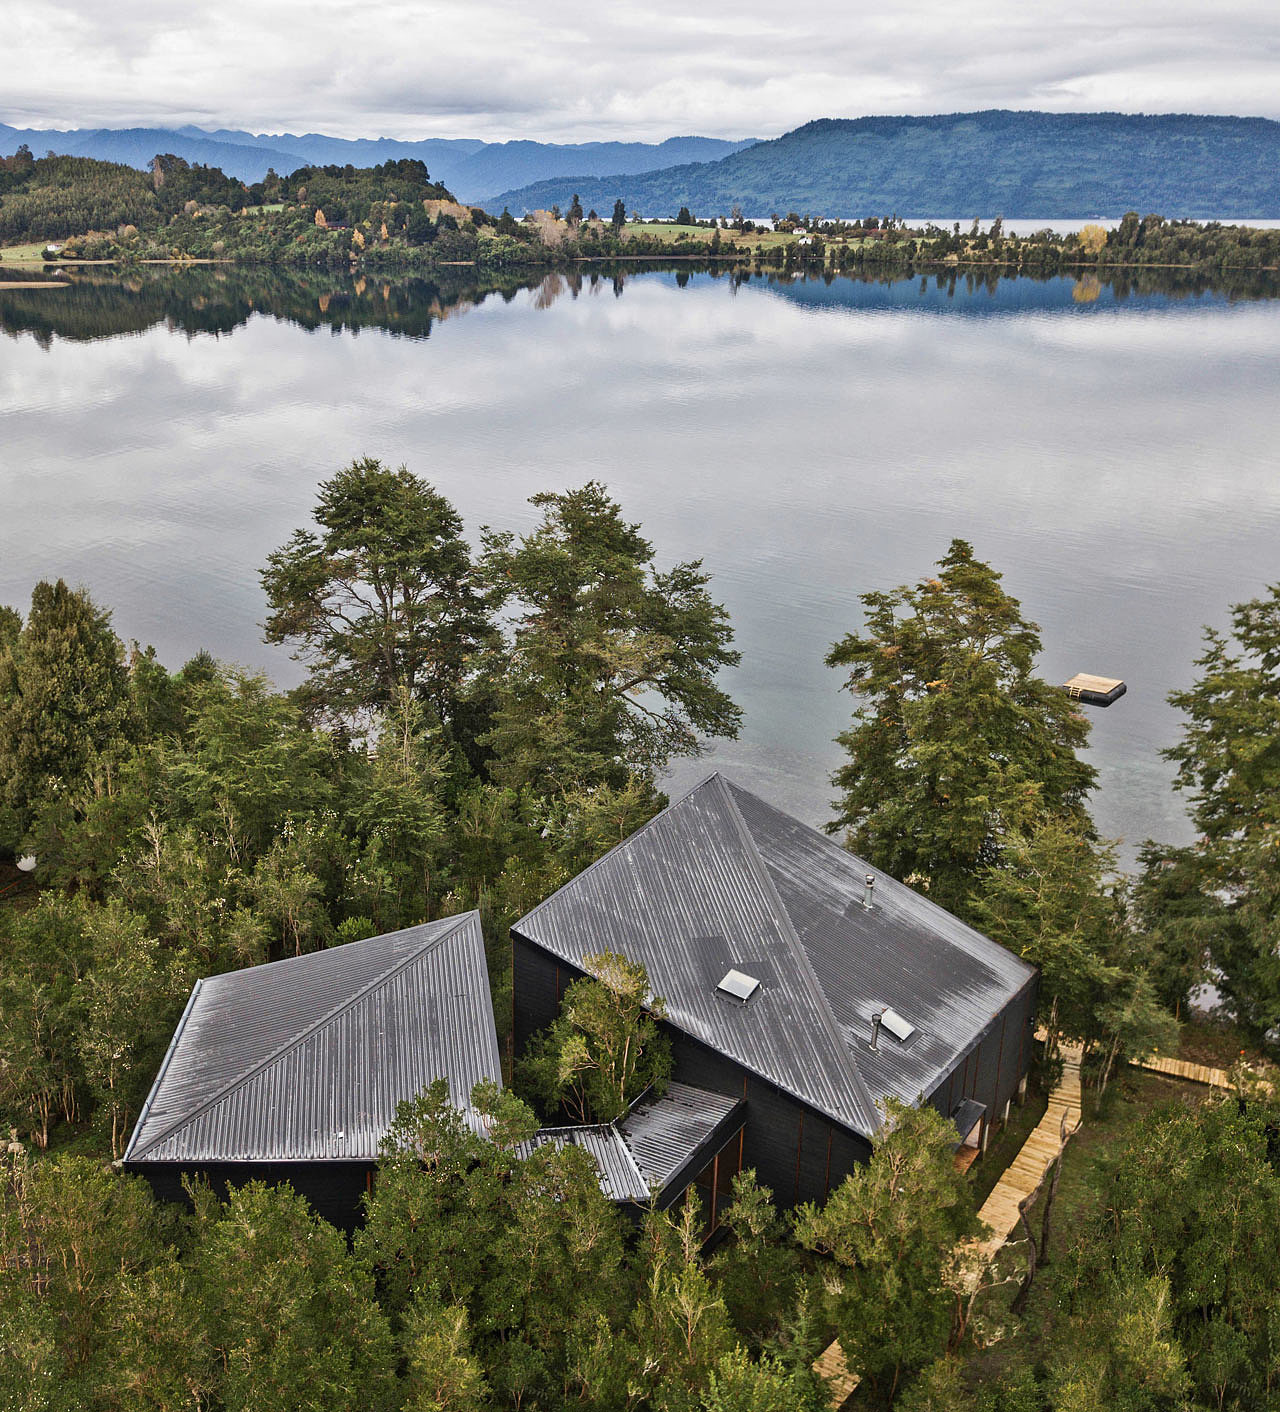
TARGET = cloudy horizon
(496,70)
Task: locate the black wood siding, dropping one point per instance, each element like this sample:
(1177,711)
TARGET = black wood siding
(333,1189)
(799,1153)
(796,1151)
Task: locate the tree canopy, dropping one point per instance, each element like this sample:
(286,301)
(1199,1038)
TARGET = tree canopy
(955,741)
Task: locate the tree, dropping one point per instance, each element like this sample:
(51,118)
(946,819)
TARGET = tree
(889,1230)
(611,664)
(76,1240)
(604,1048)
(131,993)
(1173,1274)
(619,218)
(46,952)
(383,599)
(64,701)
(443,1375)
(574,215)
(955,742)
(758,1270)
(684,217)
(1228,760)
(289,1308)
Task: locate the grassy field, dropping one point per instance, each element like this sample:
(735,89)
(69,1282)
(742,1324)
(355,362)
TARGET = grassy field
(671,233)
(29,254)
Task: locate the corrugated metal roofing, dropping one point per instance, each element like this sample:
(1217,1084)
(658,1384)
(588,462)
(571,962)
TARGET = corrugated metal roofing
(306,1059)
(721,880)
(640,1154)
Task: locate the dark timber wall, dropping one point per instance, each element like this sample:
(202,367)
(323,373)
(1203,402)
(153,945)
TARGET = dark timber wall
(995,1065)
(796,1151)
(333,1189)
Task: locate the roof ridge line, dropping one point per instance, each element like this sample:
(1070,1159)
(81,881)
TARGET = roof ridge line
(299,1039)
(792,938)
(635,833)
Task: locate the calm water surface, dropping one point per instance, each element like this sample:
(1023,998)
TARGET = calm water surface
(1115,457)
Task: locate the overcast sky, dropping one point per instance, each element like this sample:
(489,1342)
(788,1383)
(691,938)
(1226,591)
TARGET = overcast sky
(566,71)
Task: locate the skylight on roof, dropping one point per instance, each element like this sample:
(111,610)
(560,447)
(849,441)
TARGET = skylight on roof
(741,987)
(899,1028)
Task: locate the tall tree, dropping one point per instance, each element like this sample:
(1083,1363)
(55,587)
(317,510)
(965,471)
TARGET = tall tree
(955,741)
(889,1229)
(604,1048)
(612,664)
(291,1313)
(381,598)
(1225,890)
(64,701)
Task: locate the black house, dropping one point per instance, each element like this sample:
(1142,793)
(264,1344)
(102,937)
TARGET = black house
(795,978)
(292,1071)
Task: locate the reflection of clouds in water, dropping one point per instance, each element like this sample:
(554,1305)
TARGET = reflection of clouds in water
(1115,462)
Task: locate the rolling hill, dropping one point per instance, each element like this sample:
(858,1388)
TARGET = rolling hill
(964,164)
(472,169)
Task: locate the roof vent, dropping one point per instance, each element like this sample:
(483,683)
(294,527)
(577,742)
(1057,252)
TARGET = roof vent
(899,1028)
(739,986)
(868,890)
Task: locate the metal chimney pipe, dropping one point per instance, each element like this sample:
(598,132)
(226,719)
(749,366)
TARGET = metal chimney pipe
(876,1020)
(868,890)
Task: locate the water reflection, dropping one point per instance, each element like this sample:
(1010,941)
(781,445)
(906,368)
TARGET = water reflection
(810,439)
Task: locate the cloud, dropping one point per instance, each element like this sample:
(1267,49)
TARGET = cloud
(563,70)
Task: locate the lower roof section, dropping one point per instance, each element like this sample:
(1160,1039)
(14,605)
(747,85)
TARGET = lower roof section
(307,1059)
(655,1149)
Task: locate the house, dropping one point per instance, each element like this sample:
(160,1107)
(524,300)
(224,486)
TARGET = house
(292,1071)
(801,989)
(795,978)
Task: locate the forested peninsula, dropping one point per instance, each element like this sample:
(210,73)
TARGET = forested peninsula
(482,717)
(393,218)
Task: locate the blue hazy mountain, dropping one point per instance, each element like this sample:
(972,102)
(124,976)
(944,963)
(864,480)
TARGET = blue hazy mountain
(962,165)
(471,169)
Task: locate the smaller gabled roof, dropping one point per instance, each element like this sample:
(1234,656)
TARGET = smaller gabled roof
(307,1059)
(656,1143)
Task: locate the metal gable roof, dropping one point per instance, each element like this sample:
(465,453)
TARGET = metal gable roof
(640,1154)
(306,1059)
(722,880)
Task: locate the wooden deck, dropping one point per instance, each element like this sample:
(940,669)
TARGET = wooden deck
(1195,1073)
(841,1381)
(1026,1171)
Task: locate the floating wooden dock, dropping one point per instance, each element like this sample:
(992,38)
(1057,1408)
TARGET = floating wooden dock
(1094,691)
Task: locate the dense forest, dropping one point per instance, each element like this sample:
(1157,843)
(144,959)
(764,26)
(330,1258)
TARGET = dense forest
(1034,166)
(479,721)
(392,220)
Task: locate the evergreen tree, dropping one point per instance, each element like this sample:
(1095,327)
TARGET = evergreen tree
(383,599)
(611,667)
(64,701)
(889,1229)
(604,1048)
(955,742)
(1225,890)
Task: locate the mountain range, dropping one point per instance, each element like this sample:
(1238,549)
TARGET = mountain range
(471,169)
(1015,164)
(958,165)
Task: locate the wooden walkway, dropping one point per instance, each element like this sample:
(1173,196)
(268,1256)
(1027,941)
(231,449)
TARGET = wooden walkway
(1196,1073)
(841,1381)
(1000,1210)
(1026,1171)
(1183,1069)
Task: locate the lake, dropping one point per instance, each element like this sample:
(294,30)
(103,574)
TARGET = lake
(1112,451)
